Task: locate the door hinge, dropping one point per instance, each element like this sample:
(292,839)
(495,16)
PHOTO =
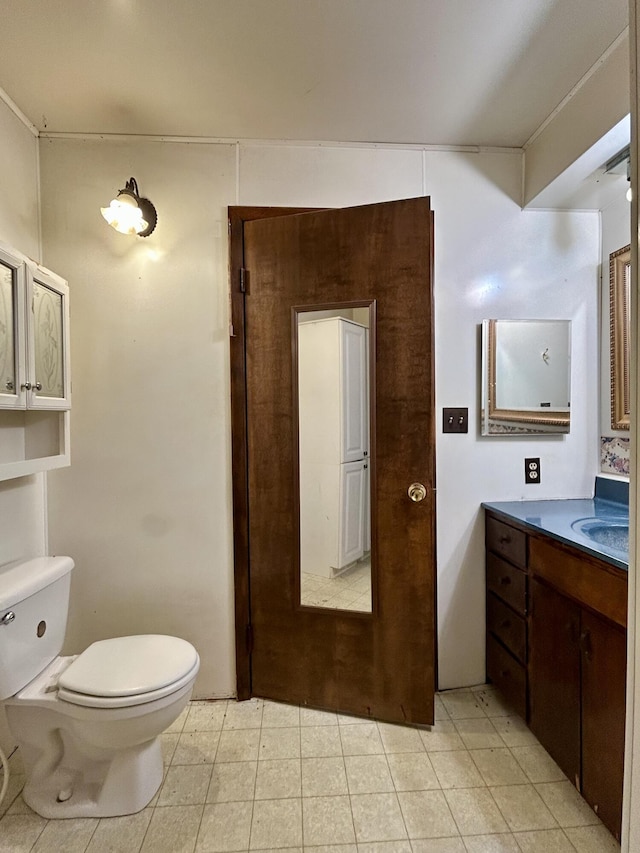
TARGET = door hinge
(249,636)
(244,279)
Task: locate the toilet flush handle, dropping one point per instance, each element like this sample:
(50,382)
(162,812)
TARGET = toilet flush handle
(7,618)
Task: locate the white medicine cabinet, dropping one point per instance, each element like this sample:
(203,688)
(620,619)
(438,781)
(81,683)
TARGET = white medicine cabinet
(34,367)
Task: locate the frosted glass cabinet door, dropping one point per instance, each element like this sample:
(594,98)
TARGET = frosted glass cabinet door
(48,343)
(12,354)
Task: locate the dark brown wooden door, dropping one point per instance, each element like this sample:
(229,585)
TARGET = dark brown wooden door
(381,663)
(554,677)
(604,672)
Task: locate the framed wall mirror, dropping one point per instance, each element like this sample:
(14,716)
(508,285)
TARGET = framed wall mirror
(526,377)
(619,300)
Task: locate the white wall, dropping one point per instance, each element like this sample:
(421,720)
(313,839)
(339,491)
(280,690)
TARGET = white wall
(616,233)
(22,504)
(145,508)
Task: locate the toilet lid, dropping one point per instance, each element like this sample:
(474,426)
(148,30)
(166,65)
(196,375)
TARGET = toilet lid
(129,666)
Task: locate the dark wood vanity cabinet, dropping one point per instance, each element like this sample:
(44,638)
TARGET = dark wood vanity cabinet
(570,609)
(507,591)
(577,670)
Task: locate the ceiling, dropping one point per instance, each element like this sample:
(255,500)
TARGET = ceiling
(454,72)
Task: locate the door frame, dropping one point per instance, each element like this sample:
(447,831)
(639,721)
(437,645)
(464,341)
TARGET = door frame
(238,215)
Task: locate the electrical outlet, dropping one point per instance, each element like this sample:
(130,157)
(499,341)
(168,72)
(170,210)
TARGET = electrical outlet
(532,470)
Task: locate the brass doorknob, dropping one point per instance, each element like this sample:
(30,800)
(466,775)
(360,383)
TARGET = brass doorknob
(417,492)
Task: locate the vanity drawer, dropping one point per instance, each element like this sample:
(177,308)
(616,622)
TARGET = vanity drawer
(507,626)
(506,541)
(507,582)
(509,676)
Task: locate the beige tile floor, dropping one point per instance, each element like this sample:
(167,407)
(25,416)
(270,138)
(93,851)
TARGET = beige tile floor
(263,776)
(349,591)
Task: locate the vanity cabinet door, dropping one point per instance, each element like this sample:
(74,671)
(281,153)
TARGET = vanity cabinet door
(604,664)
(554,676)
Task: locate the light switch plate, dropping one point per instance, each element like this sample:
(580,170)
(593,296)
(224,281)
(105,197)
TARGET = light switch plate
(455,420)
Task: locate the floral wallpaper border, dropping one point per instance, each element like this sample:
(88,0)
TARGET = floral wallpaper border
(614,455)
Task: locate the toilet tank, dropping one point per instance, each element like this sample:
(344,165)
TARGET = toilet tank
(34,602)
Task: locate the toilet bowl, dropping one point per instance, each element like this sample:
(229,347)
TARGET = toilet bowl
(88,726)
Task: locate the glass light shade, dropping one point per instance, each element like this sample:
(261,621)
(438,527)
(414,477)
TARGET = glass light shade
(124,215)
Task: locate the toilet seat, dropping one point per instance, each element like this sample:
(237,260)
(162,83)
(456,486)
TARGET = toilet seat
(126,671)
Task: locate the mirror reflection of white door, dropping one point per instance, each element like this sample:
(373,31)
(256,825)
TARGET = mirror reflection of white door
(333,400)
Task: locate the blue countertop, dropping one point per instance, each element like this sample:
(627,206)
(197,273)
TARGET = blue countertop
(560,519)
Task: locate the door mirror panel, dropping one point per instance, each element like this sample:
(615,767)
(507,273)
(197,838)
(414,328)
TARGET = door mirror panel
(334,464)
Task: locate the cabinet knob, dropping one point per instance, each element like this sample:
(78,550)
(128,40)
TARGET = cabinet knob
(26,386)
(38,386)
(9,385)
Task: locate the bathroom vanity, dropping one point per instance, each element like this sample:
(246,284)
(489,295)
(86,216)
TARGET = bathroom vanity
(556,634)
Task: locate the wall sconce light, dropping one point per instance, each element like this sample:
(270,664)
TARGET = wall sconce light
(128,213)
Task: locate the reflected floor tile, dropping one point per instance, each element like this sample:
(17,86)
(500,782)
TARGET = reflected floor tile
(361,740)
(566,805)
(243,715)
(538,764)
(438,845)
(523,808)
(196,748)
(320,741)
(185,785)
(441,737)
(314,717)
(120,834)
(225,827)
(173,829)
(478,733)
(324,777)
(238,745)
(498,767)
(462,704)
(427,814)
(327,820)
(377,817)
(545,841)
(276,823)
(206,716)
(440,712)
(514,732)
(279,743)
(456,770)
(475,812)
(18,833)
(72,836)
(502,843)
(233,781)
(279,715)
(412,771)
(278,779)
(592,839)
(400,738)
(368,774)
(491,701)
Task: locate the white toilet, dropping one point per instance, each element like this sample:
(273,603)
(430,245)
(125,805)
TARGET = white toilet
(88,726)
